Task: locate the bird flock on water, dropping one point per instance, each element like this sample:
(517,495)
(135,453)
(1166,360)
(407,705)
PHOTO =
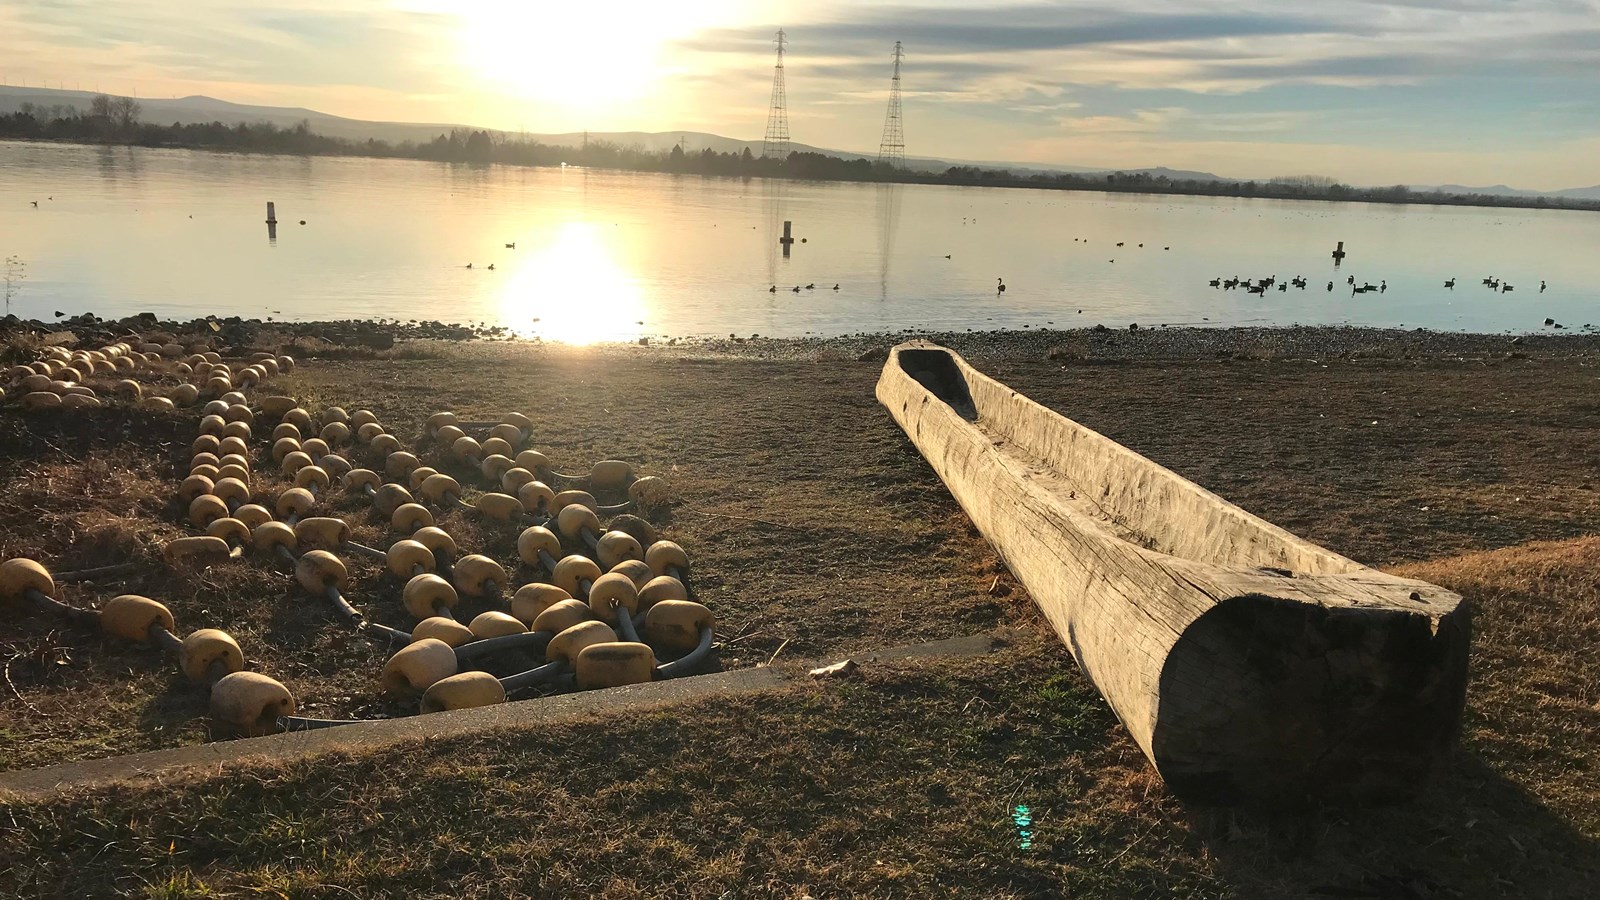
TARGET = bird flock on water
(797,288)
(1271,281)
(1366,287)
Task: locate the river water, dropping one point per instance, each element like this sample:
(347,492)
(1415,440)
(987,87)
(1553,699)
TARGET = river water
(615,256)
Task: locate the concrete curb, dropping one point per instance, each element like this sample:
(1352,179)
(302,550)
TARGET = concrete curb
(154,767)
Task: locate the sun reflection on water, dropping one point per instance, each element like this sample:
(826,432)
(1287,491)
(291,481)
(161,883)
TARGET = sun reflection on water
(574,290)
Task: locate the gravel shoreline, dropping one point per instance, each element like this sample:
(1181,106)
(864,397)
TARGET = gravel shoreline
(1098,344)
(1108,345)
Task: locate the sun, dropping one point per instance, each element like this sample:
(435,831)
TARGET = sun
(569,57)
(575,290)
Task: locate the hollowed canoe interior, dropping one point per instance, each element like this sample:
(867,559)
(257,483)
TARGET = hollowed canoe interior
(937,371)
(1132,497)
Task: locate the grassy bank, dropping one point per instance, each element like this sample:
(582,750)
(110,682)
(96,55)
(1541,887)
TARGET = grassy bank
(905,783)
(815,527)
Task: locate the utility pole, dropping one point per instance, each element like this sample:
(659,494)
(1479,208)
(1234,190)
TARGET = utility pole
(892,149)
(776,144)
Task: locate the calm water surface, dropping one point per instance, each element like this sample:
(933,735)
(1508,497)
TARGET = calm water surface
(608,256)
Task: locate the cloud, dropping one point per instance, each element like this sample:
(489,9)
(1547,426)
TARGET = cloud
(299,43)
(1140,121)
(1019,28)
(1171,120)
(1375,76)
(1146,81)
(1233,48)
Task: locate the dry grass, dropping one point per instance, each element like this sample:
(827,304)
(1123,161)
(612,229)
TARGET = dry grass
(825,789)
(306,349)
(905,783)
(1536,667)
(811,520)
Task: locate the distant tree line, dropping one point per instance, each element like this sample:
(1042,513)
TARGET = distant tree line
(116,120)
(1305,187)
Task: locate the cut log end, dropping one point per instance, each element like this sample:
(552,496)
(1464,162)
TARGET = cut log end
(1272,702)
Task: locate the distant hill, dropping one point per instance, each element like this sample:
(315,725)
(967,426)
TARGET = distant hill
(1494,190)
(1501,190)
(201,109)
(192,110)
(696,141)
(693,142)
(1587,193)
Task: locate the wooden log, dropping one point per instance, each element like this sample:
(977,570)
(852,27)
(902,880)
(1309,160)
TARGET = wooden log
(1249,665)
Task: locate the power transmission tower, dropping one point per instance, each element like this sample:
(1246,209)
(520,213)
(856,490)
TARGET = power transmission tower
(892,149)
(776,144)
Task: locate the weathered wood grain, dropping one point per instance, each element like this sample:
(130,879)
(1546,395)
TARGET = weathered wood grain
(1248,664)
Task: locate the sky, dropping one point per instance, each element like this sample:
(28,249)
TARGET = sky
(1474,92)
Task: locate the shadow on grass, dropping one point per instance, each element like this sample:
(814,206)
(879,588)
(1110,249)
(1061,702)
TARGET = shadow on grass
(1472,833)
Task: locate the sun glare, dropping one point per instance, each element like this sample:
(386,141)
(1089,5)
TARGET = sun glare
(572,57)
(574,291)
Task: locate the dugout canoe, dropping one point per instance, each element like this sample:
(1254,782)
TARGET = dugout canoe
(1249,665)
